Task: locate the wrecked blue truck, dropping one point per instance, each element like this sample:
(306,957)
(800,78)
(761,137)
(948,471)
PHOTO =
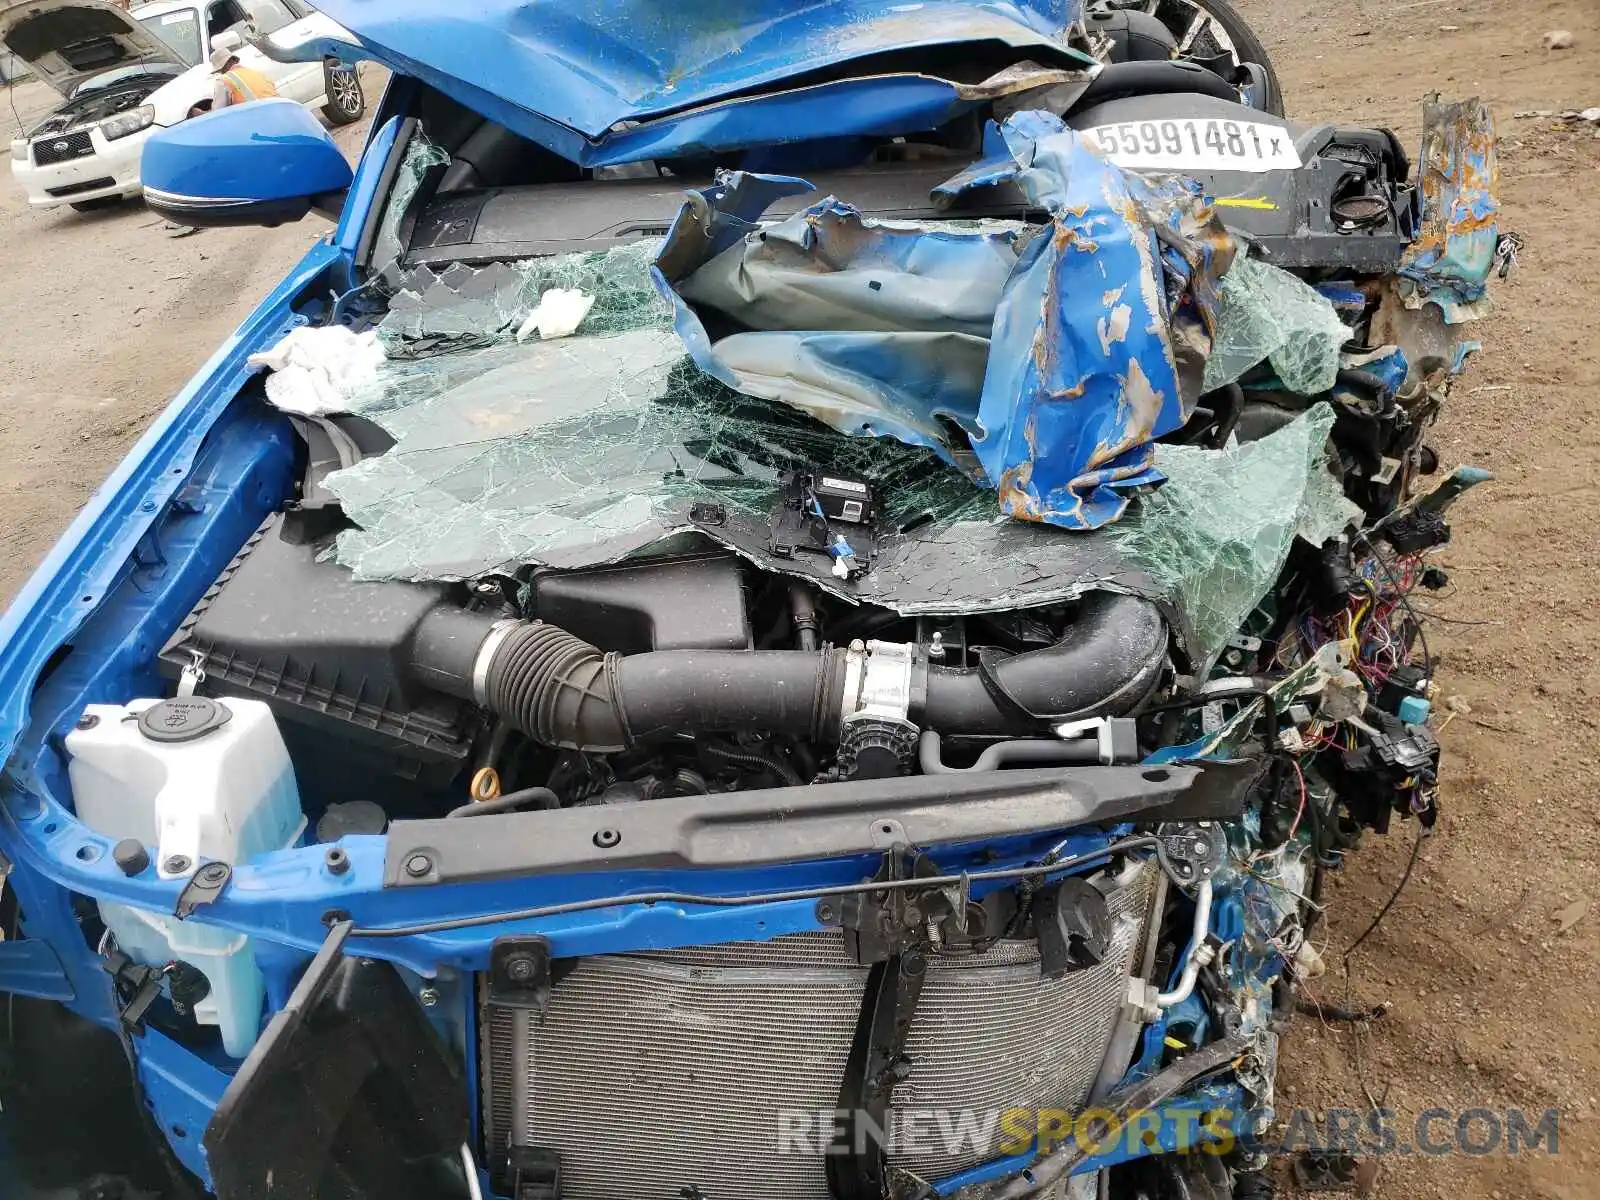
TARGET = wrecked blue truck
(796,602)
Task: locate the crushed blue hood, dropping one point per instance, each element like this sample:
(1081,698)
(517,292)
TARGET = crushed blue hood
(1042,361)
(573,74)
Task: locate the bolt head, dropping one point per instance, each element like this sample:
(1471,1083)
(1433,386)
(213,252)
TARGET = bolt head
(130,856)
(428,996)
(418,865)
(213,873)
(519,969)
(337,861)
(88,721)
(176,864)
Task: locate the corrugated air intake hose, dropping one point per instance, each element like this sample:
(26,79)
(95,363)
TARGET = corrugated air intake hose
(561,691)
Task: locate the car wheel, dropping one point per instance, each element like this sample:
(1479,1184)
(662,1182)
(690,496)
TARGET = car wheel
(95,205)
(346,101)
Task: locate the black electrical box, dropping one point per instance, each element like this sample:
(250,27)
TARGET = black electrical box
(843,499)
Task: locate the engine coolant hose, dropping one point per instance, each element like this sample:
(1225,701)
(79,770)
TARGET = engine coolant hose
(561,691)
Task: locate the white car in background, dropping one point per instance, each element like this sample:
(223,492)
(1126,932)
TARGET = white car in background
(124,73)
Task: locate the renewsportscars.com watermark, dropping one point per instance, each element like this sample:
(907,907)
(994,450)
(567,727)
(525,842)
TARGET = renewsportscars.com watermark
(1098,1131)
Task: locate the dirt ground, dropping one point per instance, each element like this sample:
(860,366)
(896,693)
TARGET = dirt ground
(103,317)
(1490,957)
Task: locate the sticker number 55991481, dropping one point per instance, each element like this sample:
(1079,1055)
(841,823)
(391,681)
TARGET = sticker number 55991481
(1188,144)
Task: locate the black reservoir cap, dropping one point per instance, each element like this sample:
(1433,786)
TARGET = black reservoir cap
(182,719)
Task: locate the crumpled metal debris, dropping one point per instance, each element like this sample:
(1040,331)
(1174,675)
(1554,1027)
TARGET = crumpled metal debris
(1042,362)
(617,81)
(612,442)
(608,444)
(1449,262)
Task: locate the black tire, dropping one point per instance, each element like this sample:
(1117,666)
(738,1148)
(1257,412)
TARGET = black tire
(95,205)
(1176,15)
(1247,46)
(347,103)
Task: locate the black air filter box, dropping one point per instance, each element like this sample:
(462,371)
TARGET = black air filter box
(324,649)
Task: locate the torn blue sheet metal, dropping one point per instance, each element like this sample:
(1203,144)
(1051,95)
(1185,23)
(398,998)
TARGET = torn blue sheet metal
(1100,341)
(1041,360)
(994,165)
(1450,260)
(876,106)
(1382,372)
(873,330)
(576,75)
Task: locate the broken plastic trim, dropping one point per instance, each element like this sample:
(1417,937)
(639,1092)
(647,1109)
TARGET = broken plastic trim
(348,1088)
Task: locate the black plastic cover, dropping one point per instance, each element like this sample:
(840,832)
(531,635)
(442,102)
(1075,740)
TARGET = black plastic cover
(804,824)
(322,648)
(1073,925)
(347,1096)
(182,719)
(691,603)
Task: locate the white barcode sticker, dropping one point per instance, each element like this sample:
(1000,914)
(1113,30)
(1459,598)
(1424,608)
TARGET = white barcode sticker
(1188,144)
(844,485)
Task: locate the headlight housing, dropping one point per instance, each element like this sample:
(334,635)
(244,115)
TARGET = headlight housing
(125,123)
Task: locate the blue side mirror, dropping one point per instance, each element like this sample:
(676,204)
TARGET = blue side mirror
(261,163)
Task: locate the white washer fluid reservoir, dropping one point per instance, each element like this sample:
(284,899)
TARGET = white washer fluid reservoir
(195,779)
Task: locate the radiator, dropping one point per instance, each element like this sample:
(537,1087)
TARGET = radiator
(659,1074)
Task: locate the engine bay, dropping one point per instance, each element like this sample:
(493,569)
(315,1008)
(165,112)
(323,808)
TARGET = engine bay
(583,742)
(97,104)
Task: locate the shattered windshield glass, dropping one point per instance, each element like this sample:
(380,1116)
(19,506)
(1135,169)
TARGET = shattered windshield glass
(646,424)
(587,449)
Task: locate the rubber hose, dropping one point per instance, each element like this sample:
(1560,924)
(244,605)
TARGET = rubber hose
(557,689)
(561,691)
(1109,660)
(529,797)
(778,691)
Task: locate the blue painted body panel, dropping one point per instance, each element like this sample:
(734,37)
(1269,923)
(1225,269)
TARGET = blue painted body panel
(219,154)
(1044,365)
(589,66)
